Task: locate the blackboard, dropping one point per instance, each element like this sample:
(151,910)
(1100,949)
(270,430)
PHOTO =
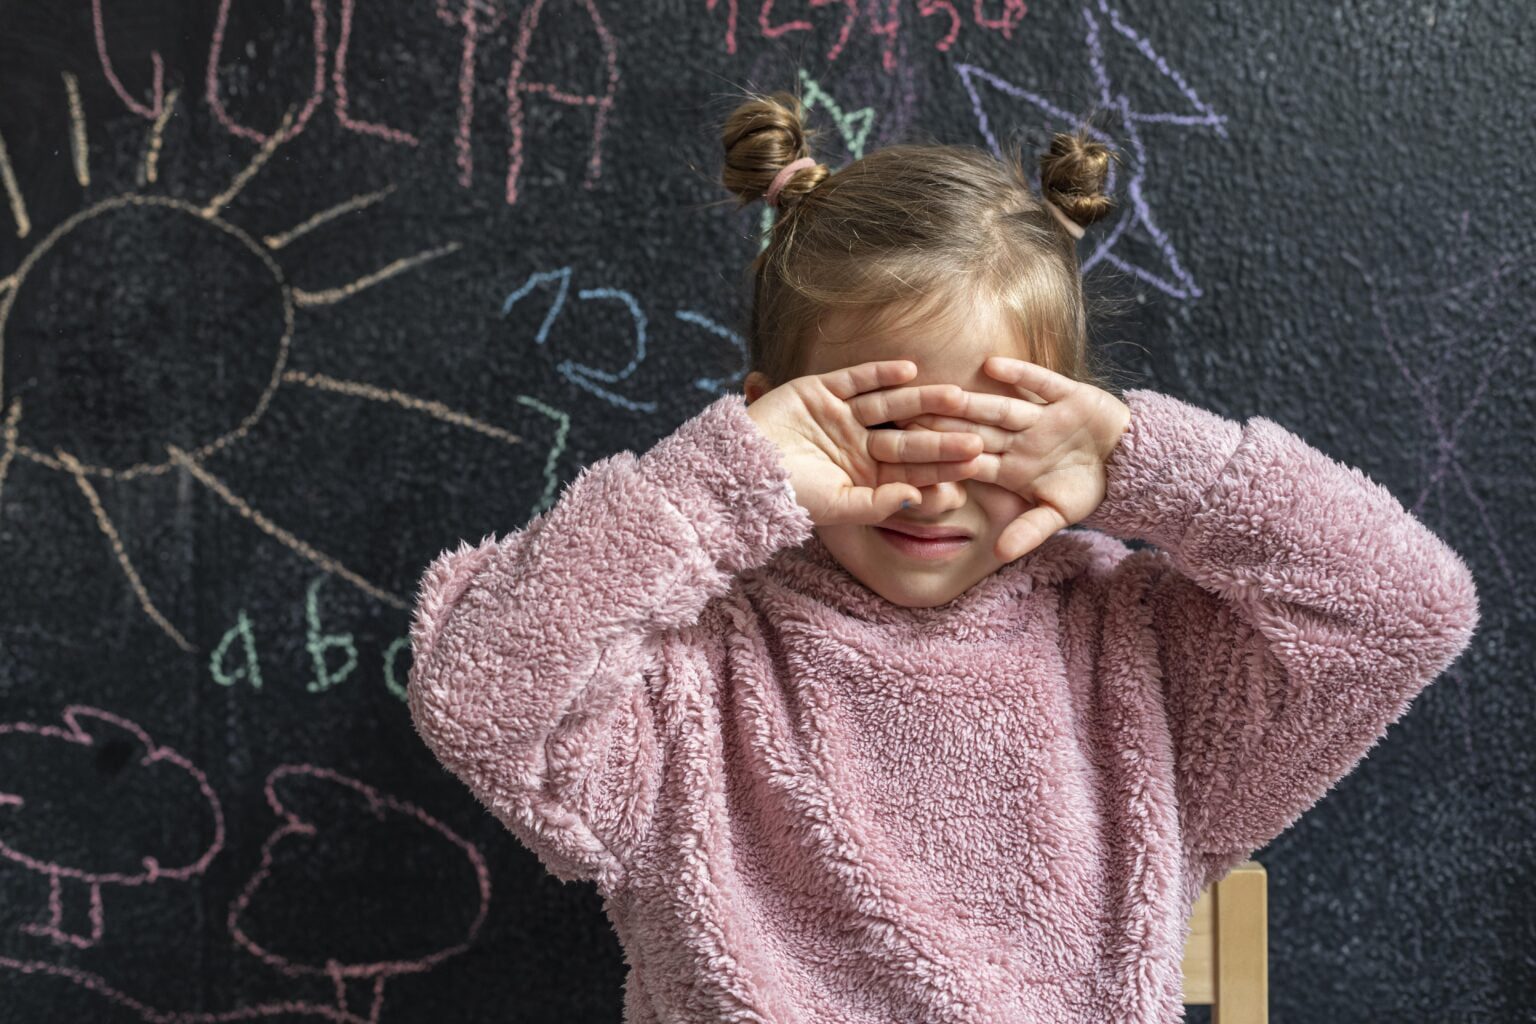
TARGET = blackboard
(295,295)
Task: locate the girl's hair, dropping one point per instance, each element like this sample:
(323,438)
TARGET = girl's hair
(923,232)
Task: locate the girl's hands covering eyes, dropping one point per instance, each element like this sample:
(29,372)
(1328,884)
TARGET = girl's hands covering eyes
(842,470)
(1051,451)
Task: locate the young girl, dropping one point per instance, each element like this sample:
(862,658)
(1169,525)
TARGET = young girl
(848,694)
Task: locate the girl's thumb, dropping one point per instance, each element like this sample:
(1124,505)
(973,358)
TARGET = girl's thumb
(892,498)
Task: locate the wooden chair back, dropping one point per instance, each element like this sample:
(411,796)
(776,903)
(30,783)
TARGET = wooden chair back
(1226,958)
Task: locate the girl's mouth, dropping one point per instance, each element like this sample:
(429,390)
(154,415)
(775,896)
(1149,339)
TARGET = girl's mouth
(916,547)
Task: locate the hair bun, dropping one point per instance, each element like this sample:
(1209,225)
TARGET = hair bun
(1073,175)
(762,137)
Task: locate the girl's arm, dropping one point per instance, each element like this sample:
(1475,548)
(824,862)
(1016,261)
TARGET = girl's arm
(530,655)
(1298,609)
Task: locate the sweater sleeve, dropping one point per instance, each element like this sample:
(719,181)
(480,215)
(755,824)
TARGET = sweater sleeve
(531,654)
(1298,611)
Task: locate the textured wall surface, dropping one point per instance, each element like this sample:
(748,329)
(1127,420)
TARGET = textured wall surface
(255,377)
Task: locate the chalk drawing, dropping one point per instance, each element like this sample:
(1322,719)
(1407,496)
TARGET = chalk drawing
(518,83)
(247,667)
(394,679)
(320,813)
(149,164)
(93,742)
(587,377)
(885,22)
(339,84)
(18,204)
(472,20)
(468,22)
(717,385)
(236,656)
(78,152)
(1427,314)
(290,125)
(222,434)
(153,110)
(277,241)
(297,851)
(1137,212)
(318,643)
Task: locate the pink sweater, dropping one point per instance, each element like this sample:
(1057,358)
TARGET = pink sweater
(802,803)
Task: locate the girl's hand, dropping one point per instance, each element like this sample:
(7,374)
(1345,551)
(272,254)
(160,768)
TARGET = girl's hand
(1051,452)
(843,472)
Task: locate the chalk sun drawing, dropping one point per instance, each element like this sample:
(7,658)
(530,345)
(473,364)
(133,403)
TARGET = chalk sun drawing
(173,387)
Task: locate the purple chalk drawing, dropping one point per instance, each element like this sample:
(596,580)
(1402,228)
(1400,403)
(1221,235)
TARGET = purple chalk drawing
(62,783)
(308,874)
(1177,282)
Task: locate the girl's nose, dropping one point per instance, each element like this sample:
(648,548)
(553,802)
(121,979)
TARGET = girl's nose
(942,496)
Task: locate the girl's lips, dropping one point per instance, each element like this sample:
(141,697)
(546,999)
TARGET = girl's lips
(917,547)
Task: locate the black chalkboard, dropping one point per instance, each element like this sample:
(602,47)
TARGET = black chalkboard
(295,295)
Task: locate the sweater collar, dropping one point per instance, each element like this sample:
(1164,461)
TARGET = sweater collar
(809,575)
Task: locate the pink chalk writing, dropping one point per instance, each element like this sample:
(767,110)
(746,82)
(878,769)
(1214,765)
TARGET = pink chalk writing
(885,22)
(150,111)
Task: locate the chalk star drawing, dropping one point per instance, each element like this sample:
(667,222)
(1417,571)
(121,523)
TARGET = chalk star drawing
(1426,308)
(214,427)
(853,127)
(1177,282)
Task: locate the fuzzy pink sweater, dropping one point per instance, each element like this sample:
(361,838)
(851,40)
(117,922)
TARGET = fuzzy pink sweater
(802,803)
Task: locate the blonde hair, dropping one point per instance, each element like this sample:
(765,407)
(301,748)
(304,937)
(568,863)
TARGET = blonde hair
(920,232)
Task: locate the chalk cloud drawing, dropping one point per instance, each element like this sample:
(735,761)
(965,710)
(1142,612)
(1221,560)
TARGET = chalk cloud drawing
(77,786)
(218,421)
(59,786)
(301,873)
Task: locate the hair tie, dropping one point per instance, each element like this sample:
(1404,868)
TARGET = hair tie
(1073,227)
(771,196)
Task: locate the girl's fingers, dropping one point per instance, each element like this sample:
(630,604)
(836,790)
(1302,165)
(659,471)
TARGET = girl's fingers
(1031,529)
(923,445)
(855,380)
(922,474)
(858,504)
(1004,412)
(905,403)
(1048,384)
(993,438)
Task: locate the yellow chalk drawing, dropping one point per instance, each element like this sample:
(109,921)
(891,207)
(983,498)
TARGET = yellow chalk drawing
(275,242)
(13,194)
(77,146)
(232,422)
(107,528)
(149,167)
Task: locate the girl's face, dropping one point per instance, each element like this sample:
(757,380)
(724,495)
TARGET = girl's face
(947,355)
